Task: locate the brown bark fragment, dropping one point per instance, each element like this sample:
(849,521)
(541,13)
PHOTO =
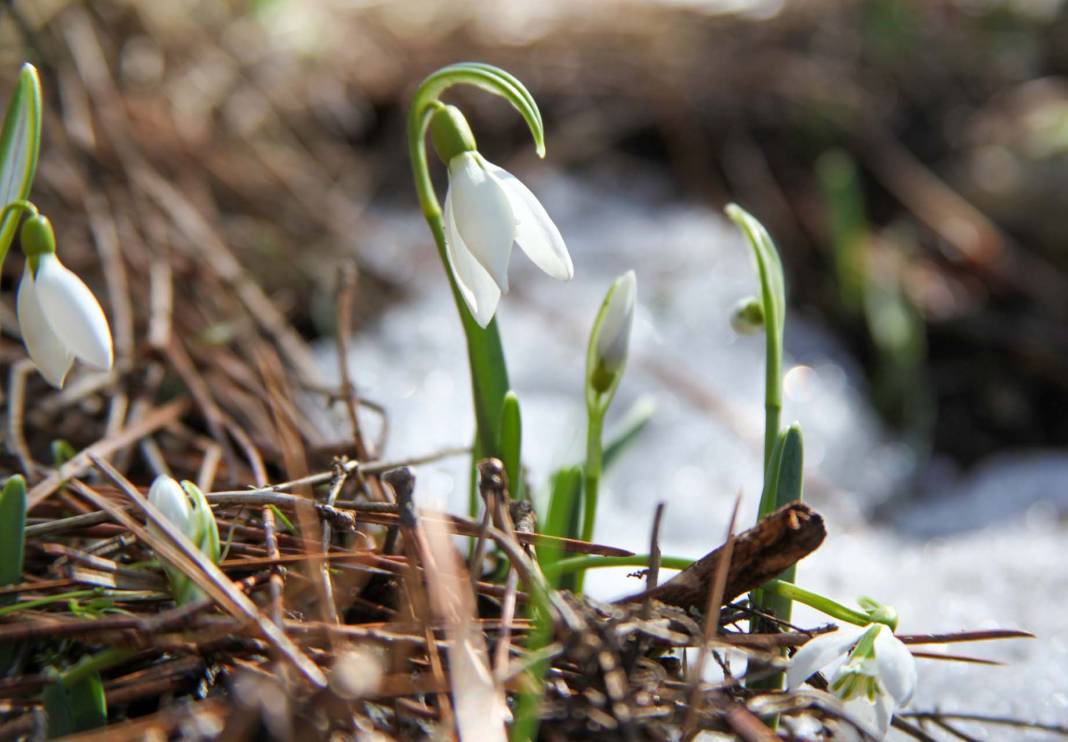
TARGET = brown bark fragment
(778,541)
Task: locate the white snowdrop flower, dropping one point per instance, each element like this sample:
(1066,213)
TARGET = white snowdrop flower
(487,209)
(59,317)
(873,671)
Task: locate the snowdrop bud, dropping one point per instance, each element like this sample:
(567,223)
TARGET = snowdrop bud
(747,317)
(611,335)
(187,508)
(450,133)
(37,237)
(169,498)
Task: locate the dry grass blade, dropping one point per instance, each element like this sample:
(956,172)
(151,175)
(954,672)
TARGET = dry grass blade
(158,418)
(478,702)
(183,555)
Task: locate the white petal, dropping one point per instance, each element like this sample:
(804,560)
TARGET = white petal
(613,336)
(483,216)
(46,350)
(74,313)
(170,499)
(818,653)
(873,718)
(480,292)
(535,231)
(897,667)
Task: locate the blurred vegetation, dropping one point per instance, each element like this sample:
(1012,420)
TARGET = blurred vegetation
(910,156)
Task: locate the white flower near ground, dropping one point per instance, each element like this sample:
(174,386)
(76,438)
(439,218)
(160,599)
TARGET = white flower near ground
(170,499)
(487,210)
(187,508)
(873,672)
(61,320)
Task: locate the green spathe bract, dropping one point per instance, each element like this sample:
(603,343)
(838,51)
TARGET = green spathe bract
(20,142)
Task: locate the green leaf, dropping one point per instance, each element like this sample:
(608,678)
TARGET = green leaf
(848,225)
(511,443)
(20,142)
(773,299)
(75,707)
(207,539)
(12,533)
(486,77)
(287,524)
(62,452)
(786,480)
(634,422)
(791,467)
(565,506)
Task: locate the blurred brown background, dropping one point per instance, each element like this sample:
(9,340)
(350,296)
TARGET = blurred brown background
(911,158)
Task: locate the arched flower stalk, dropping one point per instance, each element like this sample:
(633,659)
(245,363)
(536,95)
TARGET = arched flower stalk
(486,211)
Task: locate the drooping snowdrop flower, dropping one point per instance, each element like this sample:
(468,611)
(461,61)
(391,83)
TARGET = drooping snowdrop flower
(873,671)
(610,339)
(487,210)
(186,507)
(59,317)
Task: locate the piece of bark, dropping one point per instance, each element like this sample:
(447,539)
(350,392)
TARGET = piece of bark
(760,554)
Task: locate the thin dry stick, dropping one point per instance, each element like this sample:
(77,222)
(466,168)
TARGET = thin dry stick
(329,608)
(275,585)
(160,303)
(711,627)
(352,402)
(370,467)
(106,238)
(15,408)
(183,555)
(158,418)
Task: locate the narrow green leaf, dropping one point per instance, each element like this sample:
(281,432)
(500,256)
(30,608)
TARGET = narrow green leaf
(565,506)
(511,443)
(769,496)
(634,423)
(773,299)
(76,707)
(287,524)
(788,486)
(20,142)
(791,467)
(62,452)
(848,225)
(12,533)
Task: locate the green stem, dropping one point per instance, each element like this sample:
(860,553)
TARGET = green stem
(48,600)
(20,205)
(772,407)
(832,608)
(591,477)
(489,374)
(98,662)
(581,563)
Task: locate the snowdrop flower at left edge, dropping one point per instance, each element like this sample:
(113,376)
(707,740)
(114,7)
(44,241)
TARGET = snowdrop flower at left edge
(875,673)
(487,209)
(59,317)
